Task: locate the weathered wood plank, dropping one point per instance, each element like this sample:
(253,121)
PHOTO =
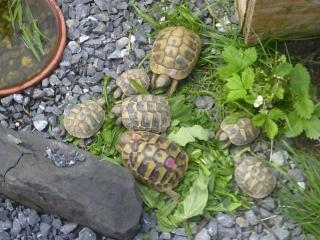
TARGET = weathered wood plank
(281,19)
(241,6)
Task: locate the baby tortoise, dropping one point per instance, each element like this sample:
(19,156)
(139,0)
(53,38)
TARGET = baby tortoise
(144,113)
(174,54)
(254,177)
(153,159)
(240,133)
(125,87)
(85,119)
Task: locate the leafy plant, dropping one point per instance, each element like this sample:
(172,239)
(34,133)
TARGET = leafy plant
(303,205)
(275,94)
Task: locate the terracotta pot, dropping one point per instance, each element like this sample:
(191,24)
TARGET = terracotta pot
(55,58)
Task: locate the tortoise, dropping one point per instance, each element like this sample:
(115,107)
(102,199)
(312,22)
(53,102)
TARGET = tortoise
(124,87)
(85,119)
(254,177)
(242,132)
(174,54)
(153,159)
(144,112)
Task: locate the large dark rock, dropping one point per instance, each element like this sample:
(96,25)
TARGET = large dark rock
(93,193)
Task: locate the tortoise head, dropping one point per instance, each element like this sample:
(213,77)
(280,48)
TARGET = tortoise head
(117,110)
(125,138)
(162,81)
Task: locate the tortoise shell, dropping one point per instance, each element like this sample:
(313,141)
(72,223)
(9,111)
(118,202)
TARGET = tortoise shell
(175,52)
(241,132)
(85,119)
(146,113)
(153,159)
(254,177)
(123,81)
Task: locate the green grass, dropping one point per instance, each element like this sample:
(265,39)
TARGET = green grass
(303,206)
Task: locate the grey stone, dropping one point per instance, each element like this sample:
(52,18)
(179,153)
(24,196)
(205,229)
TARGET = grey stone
(40,122)
(280,157)
(202,235)
(225,220)
(165,236)
(83,38)
(102,4)
(44,229)
(18,98)
(180,232)
(16,227)
(4,236)
(224,232)
(213,228)
(281,233)
(296,174)
(74,47)
(251,218)
(204,102)
(269,236)
(68,227)
(6,101)
(87,234)
(265,213)
(112,207)
(242,222)
(122,42)
(268,203)
(4,225)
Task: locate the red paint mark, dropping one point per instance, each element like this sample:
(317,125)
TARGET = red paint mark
(135,136)
(170,163)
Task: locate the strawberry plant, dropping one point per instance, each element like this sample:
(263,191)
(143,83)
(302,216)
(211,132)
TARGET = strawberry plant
(276,94)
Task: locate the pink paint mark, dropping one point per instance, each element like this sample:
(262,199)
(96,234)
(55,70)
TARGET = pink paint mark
(170,163)
(135,136)
(172,72)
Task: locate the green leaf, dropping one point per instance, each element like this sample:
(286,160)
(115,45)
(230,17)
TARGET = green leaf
(138,87)
(282,69)
(271,128)
(276,114)
(195,202)
(294,126)
(234,83)
(312,127)
(186,135)
(227,70)
(149,196)
(249,57)
(247,77)
(279,92)
(259,119)
(300,80)
(304,107)
(236,94)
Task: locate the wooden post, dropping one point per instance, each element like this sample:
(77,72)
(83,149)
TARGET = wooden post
(279,19)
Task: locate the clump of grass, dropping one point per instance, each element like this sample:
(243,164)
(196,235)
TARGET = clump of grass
(303,205)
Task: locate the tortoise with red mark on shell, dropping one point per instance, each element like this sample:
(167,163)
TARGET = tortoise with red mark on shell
(153,159)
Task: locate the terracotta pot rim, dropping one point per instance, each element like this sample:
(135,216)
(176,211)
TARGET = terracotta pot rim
(53,62)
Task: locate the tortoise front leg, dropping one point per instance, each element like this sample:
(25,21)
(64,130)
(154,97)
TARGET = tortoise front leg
(173,87)
(226,145)
(174,195)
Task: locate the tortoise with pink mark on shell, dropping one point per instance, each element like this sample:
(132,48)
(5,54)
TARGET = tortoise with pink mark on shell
(174,54)
(153,159)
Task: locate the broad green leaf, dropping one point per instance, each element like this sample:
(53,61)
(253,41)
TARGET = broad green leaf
(304,107)
(186,135)
(300,80)
(282,69)
(317,110)
(236,94)
(294,126)
(250,99)
(232,55)
(276,114)
(227,70)
(271,128)
(312,127)
(234,83)
(149,196)
(259,120)
(195,202)
(247,77)
(249,57)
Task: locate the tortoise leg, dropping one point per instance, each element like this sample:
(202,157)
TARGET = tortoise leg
(153,81)
(174,195)
(226,145)
(117,93)
(173,87)
(119,121)
(116,109)
(82,143)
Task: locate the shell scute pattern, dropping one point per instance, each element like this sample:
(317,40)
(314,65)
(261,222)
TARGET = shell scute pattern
(240,133)
(124,81)
(84,119)
(146,113)
(147,161)
(175,48)
(254,177)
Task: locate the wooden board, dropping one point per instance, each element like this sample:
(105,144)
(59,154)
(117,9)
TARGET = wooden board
(280,19)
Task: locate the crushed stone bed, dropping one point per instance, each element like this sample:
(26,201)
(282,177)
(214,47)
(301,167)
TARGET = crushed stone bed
(98,35)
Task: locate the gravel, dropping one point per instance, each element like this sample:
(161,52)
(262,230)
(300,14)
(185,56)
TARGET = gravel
(99,35)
